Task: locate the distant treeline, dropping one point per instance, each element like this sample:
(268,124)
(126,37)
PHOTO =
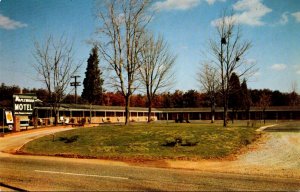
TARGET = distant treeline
(178,99)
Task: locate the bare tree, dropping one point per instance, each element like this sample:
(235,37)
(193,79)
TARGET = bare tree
(55,65)
(228,51)
(123,25)
(209,81)
(293,96)
(264,102)
(156,70)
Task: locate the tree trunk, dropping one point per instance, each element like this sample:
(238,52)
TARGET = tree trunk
(225,117)
(249,115)
(55,113)
(213,109)
(56,117)
(149,110)
(232,116)
(225,113)
(263,114)
(127,106)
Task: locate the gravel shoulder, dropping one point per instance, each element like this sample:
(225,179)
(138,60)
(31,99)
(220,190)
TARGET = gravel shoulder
(276,154)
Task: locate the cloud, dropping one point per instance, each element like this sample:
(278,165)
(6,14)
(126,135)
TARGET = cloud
(284,18)
(296,15)
(9,24)
(278,67)
(211,2)
(176,4)
(250,12)
(296,68)
(254,10)
(181,4)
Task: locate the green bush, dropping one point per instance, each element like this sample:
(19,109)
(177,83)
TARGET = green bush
(170,142)
(69,139)
(189,141)
(178,140)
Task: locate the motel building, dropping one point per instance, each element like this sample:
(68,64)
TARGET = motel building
(29,111)
(95,114)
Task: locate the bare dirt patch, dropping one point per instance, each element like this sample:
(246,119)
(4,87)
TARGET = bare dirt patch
(276,154)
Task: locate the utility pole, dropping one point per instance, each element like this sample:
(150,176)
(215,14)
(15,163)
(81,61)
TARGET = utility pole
(75,84)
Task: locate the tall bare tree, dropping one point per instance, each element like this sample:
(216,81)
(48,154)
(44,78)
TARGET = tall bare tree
(156,70)
(123,25)
(264,102)
(54,63)
(293,96)
(228,50)
(209,81)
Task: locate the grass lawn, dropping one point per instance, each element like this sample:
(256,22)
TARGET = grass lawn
(146,141)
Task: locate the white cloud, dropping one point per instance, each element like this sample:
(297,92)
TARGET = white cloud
(250,13)
(296,68)
(9,24)
(181,4)
(211,2)
(284,18)
(278,67)
(254,10)
(176,4)
(296,15)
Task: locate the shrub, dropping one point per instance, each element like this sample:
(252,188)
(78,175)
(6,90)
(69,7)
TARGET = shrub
(190,141)
(72,120)
(82,121)
(178,140)
(170,142)
(69,139)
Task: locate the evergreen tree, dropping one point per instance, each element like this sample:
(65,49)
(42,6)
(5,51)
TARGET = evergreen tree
(92,83)
(234,101)
(246,99)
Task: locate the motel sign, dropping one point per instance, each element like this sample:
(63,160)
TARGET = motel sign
(24,104)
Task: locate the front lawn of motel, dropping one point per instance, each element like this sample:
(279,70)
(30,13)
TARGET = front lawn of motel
(147,141)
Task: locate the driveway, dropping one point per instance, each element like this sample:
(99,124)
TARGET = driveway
(270,164)
(277,153)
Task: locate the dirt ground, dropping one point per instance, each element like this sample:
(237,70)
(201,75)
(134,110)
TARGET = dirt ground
(276,153)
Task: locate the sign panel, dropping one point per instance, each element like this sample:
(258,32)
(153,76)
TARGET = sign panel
(9,117)
(24,104)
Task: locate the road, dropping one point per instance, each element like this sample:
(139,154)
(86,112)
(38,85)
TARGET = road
(57,174)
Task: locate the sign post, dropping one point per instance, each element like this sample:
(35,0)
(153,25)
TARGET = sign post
(23,106)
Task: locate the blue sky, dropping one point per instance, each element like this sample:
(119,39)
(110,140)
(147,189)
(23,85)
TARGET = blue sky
(273,26)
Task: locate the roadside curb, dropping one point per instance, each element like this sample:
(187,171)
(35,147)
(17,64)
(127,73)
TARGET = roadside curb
(265,127)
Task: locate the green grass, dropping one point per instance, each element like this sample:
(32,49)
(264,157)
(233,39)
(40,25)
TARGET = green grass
(145,141)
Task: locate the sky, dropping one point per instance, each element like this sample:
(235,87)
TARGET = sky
(273,27)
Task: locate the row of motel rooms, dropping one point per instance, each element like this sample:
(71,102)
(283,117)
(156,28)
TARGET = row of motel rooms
(113,114)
